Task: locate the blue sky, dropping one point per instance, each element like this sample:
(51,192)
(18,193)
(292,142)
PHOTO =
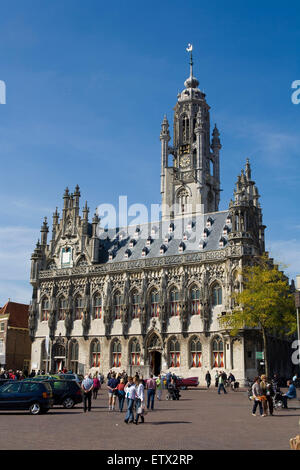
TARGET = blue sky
(88,83)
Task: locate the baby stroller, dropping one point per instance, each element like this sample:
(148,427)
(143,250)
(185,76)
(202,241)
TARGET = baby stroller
(173,393)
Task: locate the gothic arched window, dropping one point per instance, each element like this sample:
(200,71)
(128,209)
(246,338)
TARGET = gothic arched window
(117,305)
(182,200)
(135,297)
(95,353)
(116,353)
(195,352)
(218,352)
(79,305)
(135,352)
(174,302)
(45,309)
(174,353)
(195,301)
(154,297)
(97,308)
(62,307)
(216,295)
(185,129)
(73,355)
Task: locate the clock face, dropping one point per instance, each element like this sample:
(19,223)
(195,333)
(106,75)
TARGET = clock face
(185,161)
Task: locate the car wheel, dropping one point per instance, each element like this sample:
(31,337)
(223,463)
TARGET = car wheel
(68,403)
(35,408)
(167,397)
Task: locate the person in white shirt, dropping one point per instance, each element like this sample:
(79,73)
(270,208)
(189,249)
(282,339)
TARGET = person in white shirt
(140,400)
(130,392)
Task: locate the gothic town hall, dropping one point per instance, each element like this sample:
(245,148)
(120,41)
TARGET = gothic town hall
(147,298)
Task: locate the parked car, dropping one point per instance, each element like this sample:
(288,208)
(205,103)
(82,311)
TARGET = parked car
(188,382)
(37,397)
(78,378)
(65,392)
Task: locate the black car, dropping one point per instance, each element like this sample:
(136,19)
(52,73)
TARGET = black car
(65,392)
(37,397)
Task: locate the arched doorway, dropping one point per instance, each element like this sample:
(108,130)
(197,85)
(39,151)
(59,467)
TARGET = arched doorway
(155,362)
(58,356)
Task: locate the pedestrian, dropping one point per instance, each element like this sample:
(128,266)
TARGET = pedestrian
(87,387)
(216,379)
(151,387)
(121,394)
(257,396)
(221,384)
(112,391)
(97,386)
(140,401)
(159,387)
(168,379)
(291,393)
(208,379)
(131,395)
(231,380)
(270,394)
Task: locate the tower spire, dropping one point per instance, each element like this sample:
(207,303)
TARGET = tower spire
(190,50)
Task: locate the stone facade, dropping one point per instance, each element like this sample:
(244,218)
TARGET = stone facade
(148,298)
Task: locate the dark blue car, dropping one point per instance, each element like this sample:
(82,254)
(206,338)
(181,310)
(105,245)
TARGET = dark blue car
(36,397)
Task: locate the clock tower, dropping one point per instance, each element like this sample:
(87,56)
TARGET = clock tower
(190,185)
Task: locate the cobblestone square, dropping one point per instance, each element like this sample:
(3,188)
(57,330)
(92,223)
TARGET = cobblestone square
(201,419)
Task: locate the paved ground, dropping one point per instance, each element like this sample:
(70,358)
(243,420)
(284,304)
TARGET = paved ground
(201,419)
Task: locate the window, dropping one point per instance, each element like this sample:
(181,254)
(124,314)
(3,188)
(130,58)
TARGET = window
(116,354)
(195,352)
(45,309)
(174,303)
(174,353)
(185,129)
(62,309)
(1,346)
(74,350)
(217,295)
(135,353)
(135,305)
(2,326)
(95,354)
(218,352)
(79,308)
(10,388)
(117,305)
(30,387)
(66,256)
(195,301)
(154,303)
(97,306)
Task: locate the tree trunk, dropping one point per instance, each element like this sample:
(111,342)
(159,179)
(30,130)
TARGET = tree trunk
(265,352)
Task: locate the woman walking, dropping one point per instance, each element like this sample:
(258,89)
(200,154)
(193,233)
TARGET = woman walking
(140,401)
(130,391)
(159,387)
(97,386)
(121,394)
(208,379)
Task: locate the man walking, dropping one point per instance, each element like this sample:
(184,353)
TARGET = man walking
(151,387)
(208,379)
(221,384)
(87,386)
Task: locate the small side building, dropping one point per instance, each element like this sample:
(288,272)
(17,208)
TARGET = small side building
(15,344)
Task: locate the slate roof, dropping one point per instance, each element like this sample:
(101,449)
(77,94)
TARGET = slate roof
(151,237)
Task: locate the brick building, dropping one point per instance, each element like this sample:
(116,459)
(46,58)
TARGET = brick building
(15,344)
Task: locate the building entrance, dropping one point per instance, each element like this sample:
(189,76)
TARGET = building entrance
(155,362)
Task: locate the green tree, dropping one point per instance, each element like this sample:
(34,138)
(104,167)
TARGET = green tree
(265,302)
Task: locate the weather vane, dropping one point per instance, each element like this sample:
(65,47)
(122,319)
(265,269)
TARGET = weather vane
(189,49)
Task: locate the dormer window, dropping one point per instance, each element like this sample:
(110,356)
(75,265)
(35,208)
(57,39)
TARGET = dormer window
(185,236)
(181,247)
(127,253)
(132,243)
(171,228)
(205,233)
(122,236)
(144,251)
(202,244)
(153,230)
(167,238)
(162,249)
(222,242)
(209,222)
(149,241)
(228,220)
(111,255)
(226,230)
(190,225)
(137,232)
